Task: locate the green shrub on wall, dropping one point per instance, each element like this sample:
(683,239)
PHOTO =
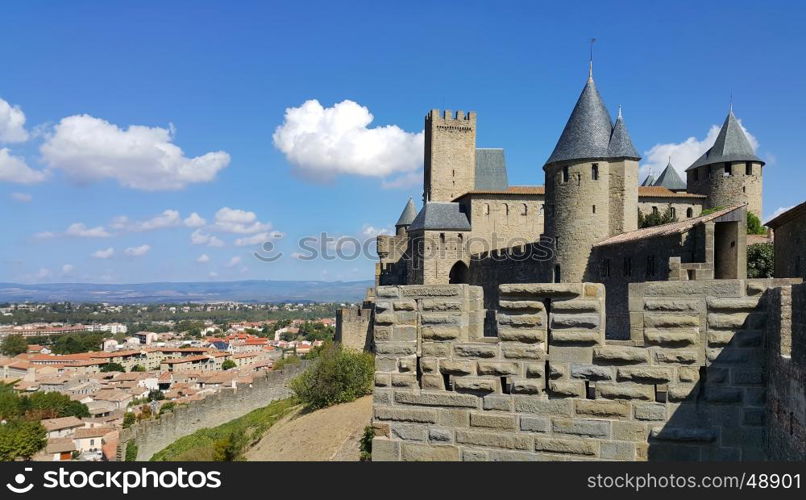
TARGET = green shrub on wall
(760,260)
(131,452)
(338,375)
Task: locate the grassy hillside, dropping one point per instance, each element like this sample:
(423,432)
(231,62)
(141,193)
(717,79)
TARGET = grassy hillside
(227,441)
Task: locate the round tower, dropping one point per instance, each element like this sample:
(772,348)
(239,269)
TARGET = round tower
(729,173)
(591,186)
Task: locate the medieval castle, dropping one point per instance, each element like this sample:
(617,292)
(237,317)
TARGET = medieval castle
(541,323)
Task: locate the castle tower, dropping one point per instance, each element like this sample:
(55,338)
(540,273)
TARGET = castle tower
(406,218)
(730,172)
(591,185)
(670,179)
(450,155)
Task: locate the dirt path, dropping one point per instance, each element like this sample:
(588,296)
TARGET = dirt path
(331,434)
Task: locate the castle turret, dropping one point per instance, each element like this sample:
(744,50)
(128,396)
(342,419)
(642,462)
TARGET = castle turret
(450,155)
(406,218)
(591,184)
(729,173)
(670,179)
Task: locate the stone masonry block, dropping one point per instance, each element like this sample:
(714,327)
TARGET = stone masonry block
(535,370)
(645,374)
(526,386)
(497,402)
(542,289)
(385,450)
(438,305)
(618,354)
(535,424)
(544,407)
(567,388)
(574,336)
(678,336)
(523,351)
(505,440)
(650,411)
(436,349)
(625,390)
(406,414)
(432,381)
(591,372)
(409,432)
(476,350)
(431,398)
(476,384)
(411,452)
(456,367)
(440,332)
(498,368)
(521,305)
(580,427)
(602,408)
(492,421)
(526,335)
(566,446)
(671,320)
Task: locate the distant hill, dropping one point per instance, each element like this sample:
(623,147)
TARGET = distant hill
(211,291)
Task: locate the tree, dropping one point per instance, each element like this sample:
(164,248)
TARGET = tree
(760,260)
(129,419)
(339,375)
(655,218)
(170,405)
(21,439)
(138,368)
(228,364)
(13,345)
(41,405)
(155,395)
(112,367)
(754,225)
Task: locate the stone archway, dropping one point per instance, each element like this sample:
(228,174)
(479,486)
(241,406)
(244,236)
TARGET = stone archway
(459,273)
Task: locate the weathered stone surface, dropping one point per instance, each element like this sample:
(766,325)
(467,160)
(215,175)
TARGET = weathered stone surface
(723,394)
(544,407)
(740,304)
(683,434)
(681,336)
(645,374)
(576,305)
(404,333)
(629,431)
(581,427)
(526,335)
(535,370)
(436,399)
(521,320)
(542,289)
(474,455)
(411,452)
(521,305)
(575,336)
(436,349)
(475,384)
(625,390)
(568,388)
(476,350)
(675,356)
(497,402)
(440,332)
(498,368)
(404,305)
(576,447)
(407,364)
(387,292)
(440,319)
(688,374)
(440,305)
(523,351)
(456,367)
(406,414)
(670,320)
(492,421)
(650,411)
(383,379)
(396,348)
(432,381)
(409,432)
(618,450)
(578,321)
(535,424)
(675,304)
(602,408)
(385,450)
(496,440)
(431,290)
(618,354)
(526,386)
(557,370)
(591,372)
(385,318)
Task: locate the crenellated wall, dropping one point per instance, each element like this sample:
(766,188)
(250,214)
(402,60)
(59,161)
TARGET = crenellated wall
(689,383)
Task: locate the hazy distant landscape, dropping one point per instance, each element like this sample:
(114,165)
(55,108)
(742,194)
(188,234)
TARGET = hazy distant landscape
(240,291)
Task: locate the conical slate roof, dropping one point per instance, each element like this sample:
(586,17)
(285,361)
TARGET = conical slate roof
(731,145)
(649,181)
(589,133)
(670,179)
(408,215)
(620,143)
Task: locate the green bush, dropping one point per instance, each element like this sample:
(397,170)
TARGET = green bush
(656,218)
(21,439)
(365,445)
(112,367)
(754,224)
(289,360)
(760,260)
(338,375)
(131,452)
(228,364)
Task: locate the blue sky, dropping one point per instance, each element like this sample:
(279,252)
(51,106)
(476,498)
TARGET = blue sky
(132,110)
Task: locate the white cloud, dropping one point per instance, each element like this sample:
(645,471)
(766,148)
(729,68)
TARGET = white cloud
(322,143)
(778,211)
(21,197)
(199,237)
(12,123)
(137,251)
(42,273)
(213,274)
(45,235)
(68,268)
(404,181)
(80,230)
(234,261)
(168,218)
(139,157)
(369,231)
(104,253)
(203,258)
(194,220)
(252,240)
(233,220)
(14,169)
(683,154)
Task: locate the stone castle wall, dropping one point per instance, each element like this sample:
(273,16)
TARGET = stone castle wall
(450,154)
(689,383)
(727,190)
(353,327)
(151,436)
(681,205)
(790,248)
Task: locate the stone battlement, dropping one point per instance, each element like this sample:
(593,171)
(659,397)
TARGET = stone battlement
(689,384)
(448,116)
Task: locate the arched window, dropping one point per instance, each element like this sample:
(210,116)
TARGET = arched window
(595,171)
(506,208)
(458,273)
(486,209)
(566,174)
(525,209)
(689,212)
